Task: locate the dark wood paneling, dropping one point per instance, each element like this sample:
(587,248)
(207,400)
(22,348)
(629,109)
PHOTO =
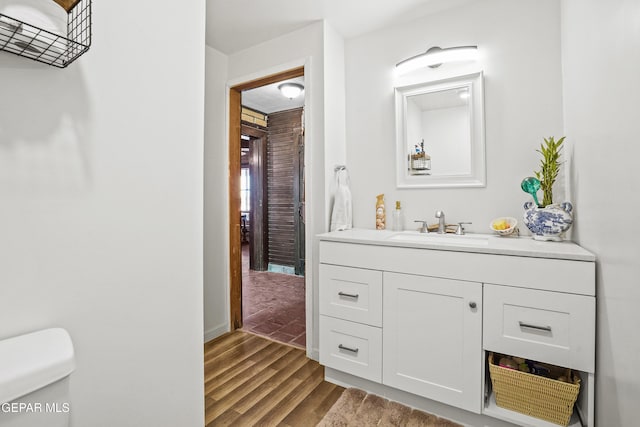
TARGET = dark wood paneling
(282,152)
(298,203)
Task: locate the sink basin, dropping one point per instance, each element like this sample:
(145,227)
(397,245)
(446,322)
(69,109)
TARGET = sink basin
(446,239)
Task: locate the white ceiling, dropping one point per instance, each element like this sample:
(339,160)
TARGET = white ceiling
(268,99)
(234,25)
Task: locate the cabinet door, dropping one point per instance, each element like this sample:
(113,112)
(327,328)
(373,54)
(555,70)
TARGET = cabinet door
(432,338)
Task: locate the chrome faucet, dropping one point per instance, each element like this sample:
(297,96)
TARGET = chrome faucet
(424,228)
(460,228)
(441,225)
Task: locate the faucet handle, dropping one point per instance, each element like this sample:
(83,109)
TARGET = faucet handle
(460,229)
(439,214)
(424,228)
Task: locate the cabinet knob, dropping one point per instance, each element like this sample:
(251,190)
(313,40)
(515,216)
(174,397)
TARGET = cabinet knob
(472,304)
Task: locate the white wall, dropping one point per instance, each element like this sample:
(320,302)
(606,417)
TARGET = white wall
(101,190)
(318,48)
(520,56)
(334,111)
(601,65)
(216,266)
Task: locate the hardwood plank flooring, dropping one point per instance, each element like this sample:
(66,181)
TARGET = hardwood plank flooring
(253,381)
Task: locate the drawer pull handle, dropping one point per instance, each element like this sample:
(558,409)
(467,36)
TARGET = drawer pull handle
(472,304)
(354,296)
(352,350)
(539,328)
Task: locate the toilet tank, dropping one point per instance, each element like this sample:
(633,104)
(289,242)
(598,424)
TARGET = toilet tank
(33,361)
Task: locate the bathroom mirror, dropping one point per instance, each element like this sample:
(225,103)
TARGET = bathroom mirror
(440,133)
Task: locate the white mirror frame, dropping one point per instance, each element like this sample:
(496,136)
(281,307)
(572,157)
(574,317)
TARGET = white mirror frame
(477,175)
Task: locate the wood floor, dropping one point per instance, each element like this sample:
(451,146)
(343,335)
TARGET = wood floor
(250,380)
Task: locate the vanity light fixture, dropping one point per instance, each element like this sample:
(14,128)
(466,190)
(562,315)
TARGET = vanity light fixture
(436,56)
(291,90)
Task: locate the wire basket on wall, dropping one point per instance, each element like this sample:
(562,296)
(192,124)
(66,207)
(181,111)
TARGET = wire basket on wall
(420,164)
(29,41)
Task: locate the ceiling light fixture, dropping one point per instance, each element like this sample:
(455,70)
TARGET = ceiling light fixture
(436,56)
(291,90)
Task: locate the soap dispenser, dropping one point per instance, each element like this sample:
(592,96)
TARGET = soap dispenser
(398,218)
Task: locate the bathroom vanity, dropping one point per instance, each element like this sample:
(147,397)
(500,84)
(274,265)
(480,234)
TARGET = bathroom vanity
(419,313)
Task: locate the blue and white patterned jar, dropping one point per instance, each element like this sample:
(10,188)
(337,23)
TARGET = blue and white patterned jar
(550,222)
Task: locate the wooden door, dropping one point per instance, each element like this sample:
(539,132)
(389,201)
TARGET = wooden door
(258,260)
(432,338)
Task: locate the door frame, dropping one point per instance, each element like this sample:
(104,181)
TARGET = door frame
(235,245)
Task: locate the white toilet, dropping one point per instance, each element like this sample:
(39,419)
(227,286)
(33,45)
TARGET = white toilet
(34,379)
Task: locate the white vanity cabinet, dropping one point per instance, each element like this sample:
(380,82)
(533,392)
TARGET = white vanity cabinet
(421,318)
(432,338)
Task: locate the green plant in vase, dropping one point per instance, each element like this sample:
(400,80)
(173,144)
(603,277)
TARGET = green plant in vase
(546,220)
(549,167)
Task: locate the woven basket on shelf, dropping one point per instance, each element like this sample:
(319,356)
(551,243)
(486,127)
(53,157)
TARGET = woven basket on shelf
(533,395)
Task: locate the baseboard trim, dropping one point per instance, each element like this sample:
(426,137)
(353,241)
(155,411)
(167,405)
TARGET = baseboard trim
(284,269)
(215,332)
(313,354)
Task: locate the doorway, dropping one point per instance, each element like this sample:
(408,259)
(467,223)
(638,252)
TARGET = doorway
(267,212)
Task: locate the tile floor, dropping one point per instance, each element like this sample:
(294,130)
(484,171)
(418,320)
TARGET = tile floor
(273,304)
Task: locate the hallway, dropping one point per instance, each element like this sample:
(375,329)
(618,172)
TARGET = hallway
(273,304)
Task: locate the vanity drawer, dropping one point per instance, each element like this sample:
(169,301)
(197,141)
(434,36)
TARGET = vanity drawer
(549,327)
(353,294)
(351,347)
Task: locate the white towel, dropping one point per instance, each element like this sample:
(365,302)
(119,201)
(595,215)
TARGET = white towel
(342,215)
(39,14)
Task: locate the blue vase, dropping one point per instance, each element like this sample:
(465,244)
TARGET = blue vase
(550,222)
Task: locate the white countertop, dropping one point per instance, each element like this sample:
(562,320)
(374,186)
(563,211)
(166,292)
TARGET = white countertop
(478,243)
